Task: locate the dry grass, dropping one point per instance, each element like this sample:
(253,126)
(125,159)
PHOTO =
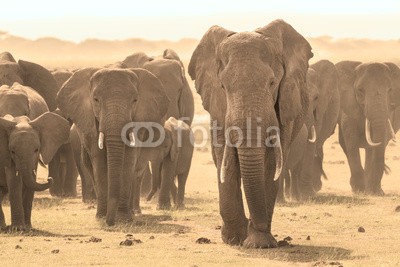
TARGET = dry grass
(331,220)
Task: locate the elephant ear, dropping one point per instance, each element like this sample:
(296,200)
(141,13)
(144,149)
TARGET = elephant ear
(395,92)
(6,56)
(172,126)
(73,100)
(41,80)
(204,68)
(7,124)
(295,52)
(137,60)
(152,101)
(347,76)
(53,131)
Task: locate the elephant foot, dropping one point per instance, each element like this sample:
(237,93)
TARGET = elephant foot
(124,217)
(17,228)
(280,199)
(70,195)
(164,206)
(180,206)
(258,239)
(376,192)
(234,235)
(100,215)
(306,194)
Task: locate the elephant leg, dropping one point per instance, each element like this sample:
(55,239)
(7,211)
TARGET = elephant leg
(135,192)
(182,178)
(99,164)
(27,203)
(173,191)
(374,168)
(167,174)
(235,223)
(306,189)
(15,195)
(54,171)
(294,182)
(2,218)
(357,173)
(280,198)
(85,169)
(156,167)
(71,172)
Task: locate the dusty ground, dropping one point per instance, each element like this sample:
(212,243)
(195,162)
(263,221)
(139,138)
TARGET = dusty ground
(64,228)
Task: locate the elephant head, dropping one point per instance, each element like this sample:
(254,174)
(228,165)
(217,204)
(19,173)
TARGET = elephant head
(101,102)
(367,93)
(61,76)
(257,77)
(28,74)
(169,69)
(24,140)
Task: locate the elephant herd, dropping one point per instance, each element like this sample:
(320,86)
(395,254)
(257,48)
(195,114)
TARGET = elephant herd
(270,114)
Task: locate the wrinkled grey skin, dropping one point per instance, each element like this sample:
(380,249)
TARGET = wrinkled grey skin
(169,69)
(63,168)
(176,156)
(322,83)
(23,138)
(368,91)
(105,100)
(259,74)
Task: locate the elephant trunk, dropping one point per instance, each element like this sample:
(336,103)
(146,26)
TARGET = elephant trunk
(252,170)
(375,130)
(29,180)
(115,162)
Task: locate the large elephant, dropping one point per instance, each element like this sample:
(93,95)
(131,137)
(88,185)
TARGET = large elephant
(253,84)
(369,93)
(34,132)
(321,120)
(176,156)
(101,102)
(169,69)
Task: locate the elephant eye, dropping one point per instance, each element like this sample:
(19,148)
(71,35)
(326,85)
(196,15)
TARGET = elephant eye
(36,150)
(96,99)
(12,152)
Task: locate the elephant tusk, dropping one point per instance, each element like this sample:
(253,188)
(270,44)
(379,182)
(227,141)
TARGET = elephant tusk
(132,139)
(34,172)
(101,140)
(223,166)
(16,173)
(368,134)
(313,135)
(278,158)
(393,134)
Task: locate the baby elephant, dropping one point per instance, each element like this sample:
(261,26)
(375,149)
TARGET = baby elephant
(173,161)
(21,143)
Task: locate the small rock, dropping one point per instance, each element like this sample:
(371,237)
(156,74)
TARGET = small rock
(308,238)
(151,237)
(218,227)
(294,214)
(203,240)
(283,243)
(130,241)
(94,240)
(361,229)
(127,243)
(327,214)
(397,209)
(18,247)
(21,240)
(288,238)
(55,251)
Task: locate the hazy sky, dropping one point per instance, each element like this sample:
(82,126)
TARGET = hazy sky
(172,19)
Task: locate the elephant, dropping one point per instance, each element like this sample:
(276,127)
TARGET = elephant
(369,94)
(321,120)
(23,138)
(101,102)
(169,69)
(253,84)
(63,168)
(176,157)
(42,81)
